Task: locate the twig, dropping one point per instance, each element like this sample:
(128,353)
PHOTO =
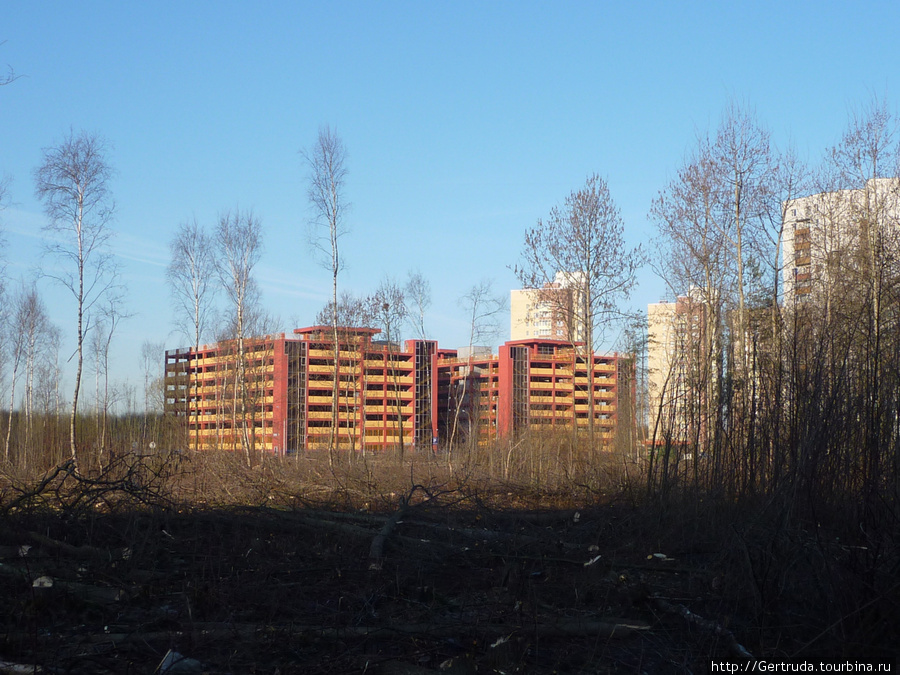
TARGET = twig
(67,467)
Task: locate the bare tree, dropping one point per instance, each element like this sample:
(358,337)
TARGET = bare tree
(583,243)
(584,240)
(39,343)
(418,295)
(4,309)
(325,162)
(790,180)
(693,256)
(352,312)
(27,331)
(389,308)
(151,363)
(239,239)
(48,401)
(73,183)
(15,353)
(745,169)
(109,318)
(390,311)
(483,308)
(190,274)
(866,166)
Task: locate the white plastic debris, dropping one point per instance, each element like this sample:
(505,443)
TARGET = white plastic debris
(500,640)
(659,556)
(174,663)
(42,582)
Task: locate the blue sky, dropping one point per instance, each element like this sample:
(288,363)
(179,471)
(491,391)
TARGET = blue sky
(464,122)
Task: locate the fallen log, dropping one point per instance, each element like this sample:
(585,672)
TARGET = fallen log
(606,628)
(736,648)
(10,668)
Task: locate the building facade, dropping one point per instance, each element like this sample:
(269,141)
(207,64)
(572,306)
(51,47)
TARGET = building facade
(833,239)
(551,312)
(295,395)
(377,395)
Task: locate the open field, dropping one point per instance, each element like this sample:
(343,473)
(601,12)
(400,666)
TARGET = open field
(397,566)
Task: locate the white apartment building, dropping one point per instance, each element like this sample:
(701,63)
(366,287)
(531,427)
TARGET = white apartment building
(549,313)
(678,373)
(829,238)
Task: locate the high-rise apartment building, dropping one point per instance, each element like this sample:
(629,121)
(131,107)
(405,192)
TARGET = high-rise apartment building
(553,312)
(831,239)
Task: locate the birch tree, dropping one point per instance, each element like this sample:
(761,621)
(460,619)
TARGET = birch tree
(482,307)
(191,275)
(239,240)
(866,164)
(327,172)
(692,256)
(349,373)
(39,342)
(390,312)
(73,183)
(16,343)
(418,299)
(110,315)
(745,168)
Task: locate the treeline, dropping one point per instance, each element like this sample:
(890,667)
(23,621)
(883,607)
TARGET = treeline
(785,384)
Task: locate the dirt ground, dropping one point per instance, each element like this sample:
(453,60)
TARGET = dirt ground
(428,588)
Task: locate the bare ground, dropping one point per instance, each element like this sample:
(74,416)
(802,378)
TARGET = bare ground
(455,581)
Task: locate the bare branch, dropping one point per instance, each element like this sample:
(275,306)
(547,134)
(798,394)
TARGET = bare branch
(483,308)
(418,292)
(190,275)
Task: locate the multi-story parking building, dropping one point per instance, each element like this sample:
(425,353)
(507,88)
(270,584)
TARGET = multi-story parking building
(293,393)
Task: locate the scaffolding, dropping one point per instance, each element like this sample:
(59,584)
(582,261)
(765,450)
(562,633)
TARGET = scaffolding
(425,428)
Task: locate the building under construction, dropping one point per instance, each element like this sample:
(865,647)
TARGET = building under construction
(532,384)
(286,393)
